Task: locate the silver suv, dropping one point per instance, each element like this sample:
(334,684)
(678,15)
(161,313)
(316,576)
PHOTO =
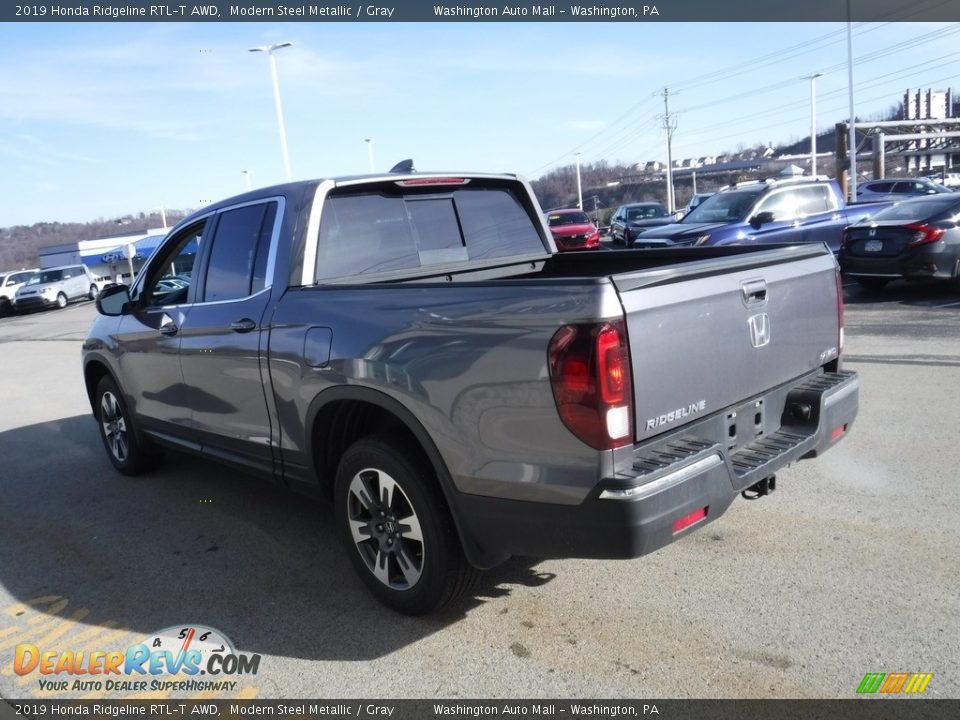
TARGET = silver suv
(10,282)
(898,189)
(56,287)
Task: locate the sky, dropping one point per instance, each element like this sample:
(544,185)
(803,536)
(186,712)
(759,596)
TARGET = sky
(100,120)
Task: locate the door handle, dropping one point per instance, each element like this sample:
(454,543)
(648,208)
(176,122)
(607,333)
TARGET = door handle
(243,326)
(169,329)
(753,291)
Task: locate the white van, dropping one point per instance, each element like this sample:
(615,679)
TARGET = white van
(56,287)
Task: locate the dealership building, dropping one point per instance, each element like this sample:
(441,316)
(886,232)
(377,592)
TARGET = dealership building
(109,259)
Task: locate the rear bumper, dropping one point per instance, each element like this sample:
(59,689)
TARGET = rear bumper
(931,263)
(636,512)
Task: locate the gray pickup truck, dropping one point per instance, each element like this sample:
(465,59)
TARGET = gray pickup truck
(414,347)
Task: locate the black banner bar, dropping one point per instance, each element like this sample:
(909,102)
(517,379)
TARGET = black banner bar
(873,709)
(647,11)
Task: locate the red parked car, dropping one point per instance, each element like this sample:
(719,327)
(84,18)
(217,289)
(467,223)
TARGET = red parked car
(573,230)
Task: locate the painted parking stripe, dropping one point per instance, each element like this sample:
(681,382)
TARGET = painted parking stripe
(21,608)
(949,304)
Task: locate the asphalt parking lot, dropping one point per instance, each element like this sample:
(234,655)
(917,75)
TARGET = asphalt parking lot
(850,567)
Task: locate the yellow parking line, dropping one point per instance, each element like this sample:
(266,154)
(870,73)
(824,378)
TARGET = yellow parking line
(49,614)
(63,628)
(92,632)
(14,610)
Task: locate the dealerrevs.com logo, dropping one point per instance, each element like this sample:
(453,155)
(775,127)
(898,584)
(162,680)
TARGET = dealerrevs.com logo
(894,683)
(186,658)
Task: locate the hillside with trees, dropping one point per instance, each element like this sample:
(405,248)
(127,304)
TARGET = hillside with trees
(20,245)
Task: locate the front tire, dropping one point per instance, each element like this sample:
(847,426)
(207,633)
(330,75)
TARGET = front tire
(94,292)
(61,301)
(129,454)
(397,528)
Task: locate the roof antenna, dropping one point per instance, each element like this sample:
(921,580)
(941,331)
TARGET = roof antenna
(404,166)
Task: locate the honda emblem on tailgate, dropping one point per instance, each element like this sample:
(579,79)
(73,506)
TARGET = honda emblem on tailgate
(759,330)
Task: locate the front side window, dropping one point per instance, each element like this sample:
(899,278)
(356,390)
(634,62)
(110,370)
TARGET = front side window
(238,255)
(175,260)
(47,276)
(783,205)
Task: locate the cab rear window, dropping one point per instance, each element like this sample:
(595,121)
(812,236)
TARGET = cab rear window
(364,233)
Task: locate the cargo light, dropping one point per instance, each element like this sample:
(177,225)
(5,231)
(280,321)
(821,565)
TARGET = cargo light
(686,521)
(590,377)
(924,234)
(415,182)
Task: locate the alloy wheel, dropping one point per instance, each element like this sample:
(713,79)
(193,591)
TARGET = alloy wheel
(114,426)
(385,529)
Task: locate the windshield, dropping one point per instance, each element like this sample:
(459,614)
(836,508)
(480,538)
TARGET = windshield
(575,218)
(727,206)
(47,276)
(646,212)
(920,209)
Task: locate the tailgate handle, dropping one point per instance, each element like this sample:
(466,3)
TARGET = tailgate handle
(754,291)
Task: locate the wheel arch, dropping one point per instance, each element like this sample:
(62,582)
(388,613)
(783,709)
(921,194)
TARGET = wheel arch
(340,416)
(95,369)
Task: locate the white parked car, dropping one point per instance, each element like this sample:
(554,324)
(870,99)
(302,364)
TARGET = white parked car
(55,287)
(10,282)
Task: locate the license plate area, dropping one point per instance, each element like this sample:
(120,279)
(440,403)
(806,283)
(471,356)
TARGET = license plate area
(747,423)
(873,246)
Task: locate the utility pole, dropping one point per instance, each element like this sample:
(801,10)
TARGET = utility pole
(669,125)
(579,186)
(596,210)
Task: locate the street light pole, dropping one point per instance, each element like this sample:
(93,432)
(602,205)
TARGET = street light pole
(579,187)
(369,142)
(853,132)
(269,50)
(813,122)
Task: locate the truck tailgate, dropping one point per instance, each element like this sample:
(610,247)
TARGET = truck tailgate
(726,329)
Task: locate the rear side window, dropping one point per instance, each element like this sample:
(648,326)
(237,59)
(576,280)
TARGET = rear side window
(376,232)
(238,254)
(881,187)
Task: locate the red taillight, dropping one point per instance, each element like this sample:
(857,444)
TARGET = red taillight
(840,311)
(688,520)
(923,234)
(838,432)
(590,376)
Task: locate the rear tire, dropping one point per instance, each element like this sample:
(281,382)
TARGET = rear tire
(873,284)
(6,307)
(398,531)
(129,454)
(61,301)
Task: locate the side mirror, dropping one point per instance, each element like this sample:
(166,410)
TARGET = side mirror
(761,218)
(114,300)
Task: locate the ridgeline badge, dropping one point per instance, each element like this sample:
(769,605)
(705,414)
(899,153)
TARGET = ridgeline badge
(183,652)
